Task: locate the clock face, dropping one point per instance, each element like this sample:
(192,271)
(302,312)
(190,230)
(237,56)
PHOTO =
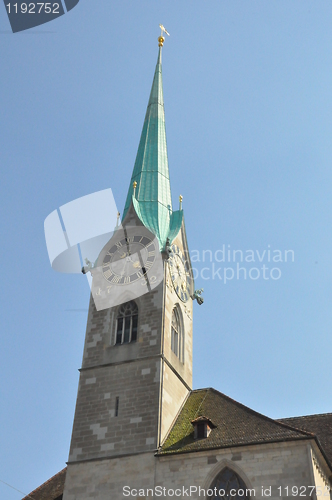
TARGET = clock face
(180,275)
(129,259)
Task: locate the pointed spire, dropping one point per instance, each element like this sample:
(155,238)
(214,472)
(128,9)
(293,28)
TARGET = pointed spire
(151,166)
(152,200)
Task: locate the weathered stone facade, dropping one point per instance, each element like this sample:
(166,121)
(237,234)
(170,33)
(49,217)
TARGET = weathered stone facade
(274,468)
(145,379)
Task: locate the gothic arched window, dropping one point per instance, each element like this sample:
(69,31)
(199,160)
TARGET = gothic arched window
(126,323)
(226,481)
(177,333)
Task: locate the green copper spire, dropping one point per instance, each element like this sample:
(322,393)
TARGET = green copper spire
(152,198)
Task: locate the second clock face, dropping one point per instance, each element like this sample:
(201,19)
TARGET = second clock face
(180,275)
(129,259)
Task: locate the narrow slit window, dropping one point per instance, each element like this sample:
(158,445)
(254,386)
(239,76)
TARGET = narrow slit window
(117,406)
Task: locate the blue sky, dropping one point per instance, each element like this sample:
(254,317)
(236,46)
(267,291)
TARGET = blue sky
(247,88)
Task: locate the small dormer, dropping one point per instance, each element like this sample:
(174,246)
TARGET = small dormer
(202,427)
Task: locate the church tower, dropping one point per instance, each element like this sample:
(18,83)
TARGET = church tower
(137,362)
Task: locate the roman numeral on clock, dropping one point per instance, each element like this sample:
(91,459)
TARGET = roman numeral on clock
(108,273)
(115,279)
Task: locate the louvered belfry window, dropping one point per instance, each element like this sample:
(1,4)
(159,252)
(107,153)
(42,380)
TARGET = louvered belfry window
(126,323)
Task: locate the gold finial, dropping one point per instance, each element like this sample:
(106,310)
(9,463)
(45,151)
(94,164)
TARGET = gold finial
(180,200)
(134,186)
(161,39)
(117,219)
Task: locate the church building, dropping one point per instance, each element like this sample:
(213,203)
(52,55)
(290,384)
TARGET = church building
(140,430)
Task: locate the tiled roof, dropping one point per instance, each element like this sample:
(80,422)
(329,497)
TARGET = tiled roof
(51,490)
(320,425)
(236,425)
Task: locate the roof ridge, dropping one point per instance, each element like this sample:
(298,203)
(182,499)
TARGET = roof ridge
(305,416)
(292,427)
(260,415)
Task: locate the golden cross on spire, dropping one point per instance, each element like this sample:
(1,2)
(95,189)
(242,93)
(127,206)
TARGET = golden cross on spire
(161,39)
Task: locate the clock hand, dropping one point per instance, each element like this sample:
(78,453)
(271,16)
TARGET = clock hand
(178,281)
(183,285)
(134,263)
(124,267)
(129,258)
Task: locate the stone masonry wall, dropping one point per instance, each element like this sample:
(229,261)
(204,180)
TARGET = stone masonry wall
(104,480)
(97,431)
(99,346)
(266,465)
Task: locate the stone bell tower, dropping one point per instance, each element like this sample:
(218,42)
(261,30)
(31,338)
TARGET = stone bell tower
(137,362)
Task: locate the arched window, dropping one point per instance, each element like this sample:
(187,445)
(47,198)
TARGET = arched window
(177,333)
(126,323)
(226,481)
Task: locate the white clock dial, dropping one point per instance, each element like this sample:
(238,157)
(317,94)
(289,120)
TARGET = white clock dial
(129,259)
(179,272)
